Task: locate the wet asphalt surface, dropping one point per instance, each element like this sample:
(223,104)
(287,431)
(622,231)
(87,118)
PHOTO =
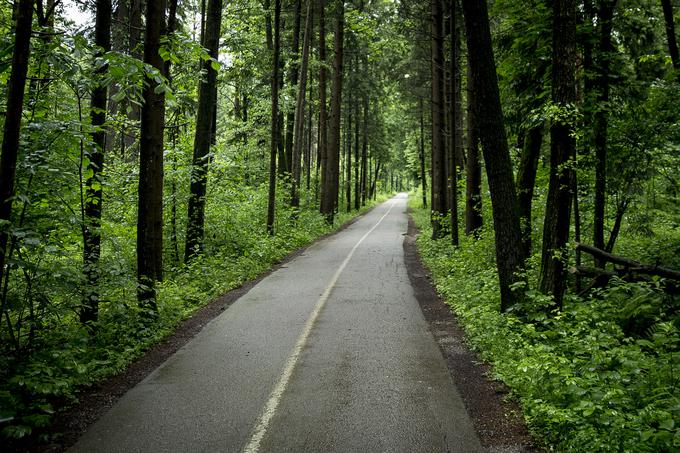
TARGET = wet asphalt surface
(309,360)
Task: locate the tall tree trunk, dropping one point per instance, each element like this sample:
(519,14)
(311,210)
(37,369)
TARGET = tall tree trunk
(438,203)
(423,176)
(323,139)
(293,76)
(473,170)
(330,190)
(12,128)
(203,136)
(526,181)
(300,110)
(364,151)
(357,115)
(150,208)
(275,137)
(670,35)
(558,209)
(348,134)
(455,139)
(135,35)
(487,109)
(600,119)
(95,166)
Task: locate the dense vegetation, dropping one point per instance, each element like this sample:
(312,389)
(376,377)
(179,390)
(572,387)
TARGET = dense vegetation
(156,154)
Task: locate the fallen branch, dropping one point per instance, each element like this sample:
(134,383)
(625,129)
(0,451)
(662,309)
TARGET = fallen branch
(630,266)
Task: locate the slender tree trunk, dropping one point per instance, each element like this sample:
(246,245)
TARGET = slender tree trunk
(364,151)
(203,137)
(455,141)
(135,43)
(423,176)
(670,35)
(330,191)
(93,183)
(150,209)
(323,141)
(526,181)
(12,127)
(600,120)
(438,149)
(357,183)
(300,110)
(271,207)
(558,209)
(348,134)
(473,171)
(293,76)
(487,109)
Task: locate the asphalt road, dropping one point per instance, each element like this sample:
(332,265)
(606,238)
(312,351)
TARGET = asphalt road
(330,353)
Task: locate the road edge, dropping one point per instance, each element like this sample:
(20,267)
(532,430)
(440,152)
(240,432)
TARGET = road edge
(497,421)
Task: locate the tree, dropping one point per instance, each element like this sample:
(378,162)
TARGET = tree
(331,184)
(600,121)
(488,111)
(150,193)
(275,135)
(203,137)
(12,126)
(670,35)
(95,157)
(558,209)
(473,169)
(438,201)
(300,110)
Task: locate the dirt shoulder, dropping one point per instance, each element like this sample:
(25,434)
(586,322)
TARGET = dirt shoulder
(498,423)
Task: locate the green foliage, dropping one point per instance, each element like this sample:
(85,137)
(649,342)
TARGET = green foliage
(602,375)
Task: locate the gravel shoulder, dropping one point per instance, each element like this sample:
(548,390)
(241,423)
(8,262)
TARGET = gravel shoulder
(497,421)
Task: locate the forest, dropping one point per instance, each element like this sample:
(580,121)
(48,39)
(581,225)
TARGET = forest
(159,153)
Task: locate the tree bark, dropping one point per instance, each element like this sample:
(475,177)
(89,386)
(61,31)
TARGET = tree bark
(12,127)
(203,137)
(275,137)
(323,139)
(438,203)
(150,208)
(670,35)
(300,110)
(600,119)
(364,151)
(330,192)
(456,142)
(473,169)
(558,209)
(488,111)
(93,183)
(293,76)
(421,154)
(526,181)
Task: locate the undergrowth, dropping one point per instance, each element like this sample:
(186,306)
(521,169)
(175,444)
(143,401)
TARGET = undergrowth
(600,376)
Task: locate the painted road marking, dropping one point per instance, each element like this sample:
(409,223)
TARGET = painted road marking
(253,446)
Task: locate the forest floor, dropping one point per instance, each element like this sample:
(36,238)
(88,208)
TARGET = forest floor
(496,422)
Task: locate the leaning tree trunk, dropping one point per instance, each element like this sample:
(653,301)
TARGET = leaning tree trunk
(12,128)
(204,134)
(526,181)
(150,208)
(438,147)
(487,109)
(330,191)
(562,144)
(271,205)
(95,166)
